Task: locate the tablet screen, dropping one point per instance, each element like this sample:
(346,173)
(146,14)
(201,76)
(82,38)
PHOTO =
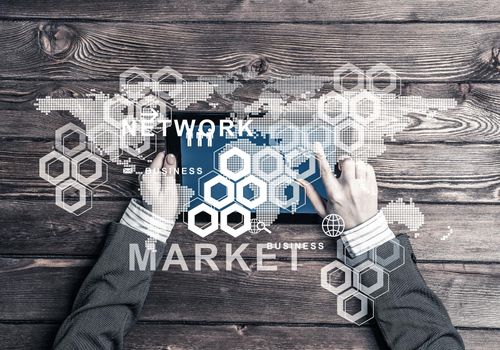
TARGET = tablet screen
(201,163)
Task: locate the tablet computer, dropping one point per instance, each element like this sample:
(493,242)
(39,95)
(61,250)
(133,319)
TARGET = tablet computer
(198,163)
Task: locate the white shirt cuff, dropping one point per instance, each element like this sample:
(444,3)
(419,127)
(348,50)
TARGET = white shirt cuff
(140,219)
(370,234)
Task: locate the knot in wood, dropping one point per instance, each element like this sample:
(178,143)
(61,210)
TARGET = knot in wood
(56,40)
(257,66)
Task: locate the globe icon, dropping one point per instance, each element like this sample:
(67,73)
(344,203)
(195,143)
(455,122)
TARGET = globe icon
(333,225)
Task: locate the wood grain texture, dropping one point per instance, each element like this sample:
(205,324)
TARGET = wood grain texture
(256,11)
(146,336)
(45,288)
(476,120)
(427,172)
(60,233)
(76,50)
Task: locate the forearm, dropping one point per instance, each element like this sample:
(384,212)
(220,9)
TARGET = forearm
(111,297)
(410,315)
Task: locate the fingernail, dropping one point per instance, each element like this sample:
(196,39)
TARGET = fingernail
(170,159)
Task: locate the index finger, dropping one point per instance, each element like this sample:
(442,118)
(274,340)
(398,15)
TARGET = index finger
(329,180)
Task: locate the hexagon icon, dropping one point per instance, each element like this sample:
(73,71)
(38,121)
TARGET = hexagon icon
(289,135)
(134,81)
(342,76)
(365,107)
(268,163)
(44,167)
(98,173)
(225,163)
(81,205)
(324,134)
(153,108)
(379,70)
(371,279)
(208,228)
(349,136)
(168,90)
(105,140)
(245,224)
(277,190)
(67,130)
(333,108)
(294,159)
(116,109)
(225,200)
(365,312)
(390,255)
(139,146)
(331,273)
(258,199)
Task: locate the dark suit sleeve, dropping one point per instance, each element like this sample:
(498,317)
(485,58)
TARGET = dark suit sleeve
(410,315)
(111,297)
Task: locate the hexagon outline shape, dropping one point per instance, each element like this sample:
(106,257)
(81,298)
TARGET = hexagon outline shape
(125,83)
(328,269)
(311,168)
(264,153)
(137,152)
(365,267)
(134,70)
(153,146)
(207,192)
(214,220)
(150,100)
(332,95)
(384,262)
(361,136)
(59,143)
(377,107)
(330,142)
(82,198)
(273,188)
(158,77)
(75,167)
(111,105)
(200,182)
(246,220)
(235,152)
(52,157)
(296,138)
(113,149)
(348,67)
(378,69)
(251,203)
(341,306)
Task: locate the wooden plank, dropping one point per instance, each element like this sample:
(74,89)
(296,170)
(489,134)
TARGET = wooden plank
(76,50)
(60,233)
(44,290)
(424,172)
(145,336)
(477,118)
(25,155)
(256,11)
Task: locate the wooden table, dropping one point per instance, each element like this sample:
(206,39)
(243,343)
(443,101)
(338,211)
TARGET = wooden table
(449,165)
